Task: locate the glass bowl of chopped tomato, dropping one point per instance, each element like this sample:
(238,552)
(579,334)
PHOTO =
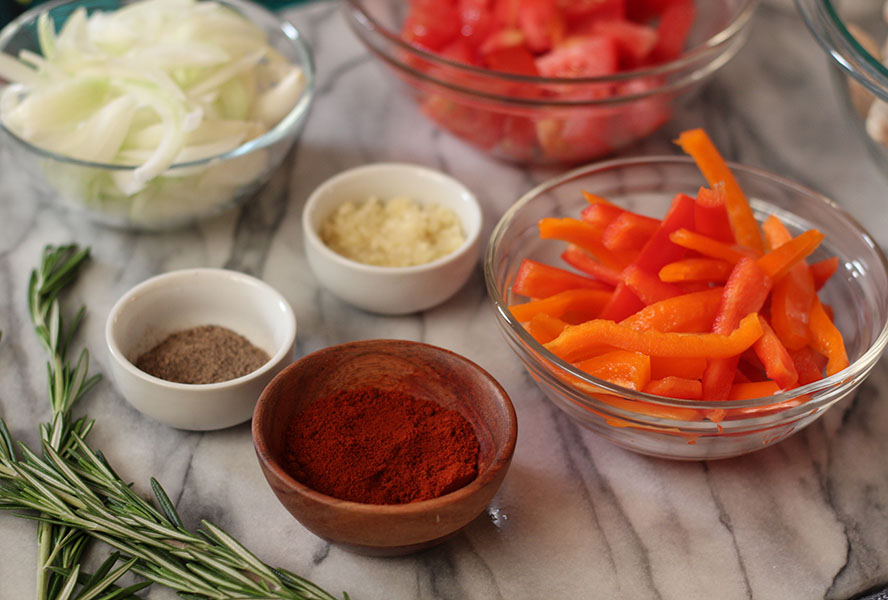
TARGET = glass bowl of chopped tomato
(548,82)
(665,370)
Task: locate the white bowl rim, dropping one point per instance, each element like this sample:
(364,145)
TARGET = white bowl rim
(171,277)
(858,367)
(472,235)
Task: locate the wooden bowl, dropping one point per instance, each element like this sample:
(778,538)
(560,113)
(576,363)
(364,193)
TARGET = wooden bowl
(418,369)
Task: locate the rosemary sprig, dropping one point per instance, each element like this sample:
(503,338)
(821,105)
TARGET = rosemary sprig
(59,547)
(71,487)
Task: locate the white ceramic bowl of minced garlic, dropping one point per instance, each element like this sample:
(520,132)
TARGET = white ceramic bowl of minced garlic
(392,238)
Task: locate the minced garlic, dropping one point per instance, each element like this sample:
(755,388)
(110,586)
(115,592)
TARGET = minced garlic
(398,232)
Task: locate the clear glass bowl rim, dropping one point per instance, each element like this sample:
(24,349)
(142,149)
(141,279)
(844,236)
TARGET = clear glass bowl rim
(827,25)
(286,126)
(847,378)
(370,25)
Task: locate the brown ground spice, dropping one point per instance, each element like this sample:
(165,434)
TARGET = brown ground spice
(204,354)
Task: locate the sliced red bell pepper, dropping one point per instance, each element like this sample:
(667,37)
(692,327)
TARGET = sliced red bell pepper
(658,251)
(585,262)
(571,305)
(807,364)
(579,342)
(539,280)
(791,302)
(586,236)
(754,389)
(630,370)
(711,214)
(697,144)
(596,199)
(600,214)
(688,313)
(776,233)
(776,360)
(779,261)
(827,340)
(629,231)
(682,368)
(745,293)
(647,286)
(707,246)
(660,411)
(823,270)
(696,269)
(544,328)
(793,293)
(675,387)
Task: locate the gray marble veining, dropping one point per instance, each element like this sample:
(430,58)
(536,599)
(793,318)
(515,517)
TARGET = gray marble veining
(576,517)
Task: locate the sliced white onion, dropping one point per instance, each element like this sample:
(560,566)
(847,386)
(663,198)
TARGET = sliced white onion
(154,83)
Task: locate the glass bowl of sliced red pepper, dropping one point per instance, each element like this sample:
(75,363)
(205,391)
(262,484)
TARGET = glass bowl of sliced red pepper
(548,82)
(625,294)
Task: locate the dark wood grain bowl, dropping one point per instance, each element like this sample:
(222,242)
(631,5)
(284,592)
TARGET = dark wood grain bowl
(424,371)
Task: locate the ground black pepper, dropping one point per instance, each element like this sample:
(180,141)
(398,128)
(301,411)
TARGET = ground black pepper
(204,354)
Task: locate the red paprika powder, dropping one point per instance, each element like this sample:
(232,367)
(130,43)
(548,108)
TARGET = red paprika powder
(381,447)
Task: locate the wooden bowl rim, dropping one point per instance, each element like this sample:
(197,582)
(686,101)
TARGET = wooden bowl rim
(500,460)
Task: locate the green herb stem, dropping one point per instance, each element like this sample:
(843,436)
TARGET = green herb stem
(74,494)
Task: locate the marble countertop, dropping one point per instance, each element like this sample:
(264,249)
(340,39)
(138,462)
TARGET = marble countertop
(576,516)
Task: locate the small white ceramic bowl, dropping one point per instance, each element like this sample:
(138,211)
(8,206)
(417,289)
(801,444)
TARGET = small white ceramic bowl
(180,300)
(392,290)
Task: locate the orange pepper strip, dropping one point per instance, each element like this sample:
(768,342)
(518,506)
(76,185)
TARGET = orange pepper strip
(745,293)
(791,303)
(793,293)
(827,340)
(714,168)
(657,251)
(586,236)
(600,215)
(711,215)
(629,231)
(648,286)
(674,413)
(779,261)
(690,313)
(544,328)
(675,387)
(630,370)
(683,368)
(585,262)
(596,199)
(754,389)
(776,360)
(706,246)
(582,303)
(539,280)
(807,364)
(823,270)
(696,269)
(776,233)
(579,342)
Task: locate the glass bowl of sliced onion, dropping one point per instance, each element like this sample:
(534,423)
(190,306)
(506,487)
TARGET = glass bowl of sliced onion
(151,114)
